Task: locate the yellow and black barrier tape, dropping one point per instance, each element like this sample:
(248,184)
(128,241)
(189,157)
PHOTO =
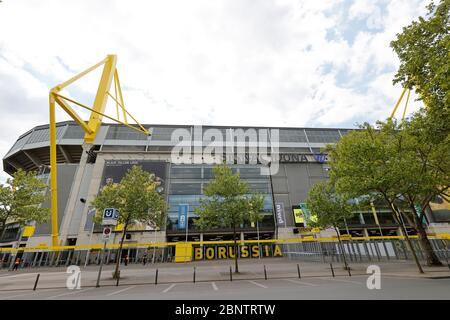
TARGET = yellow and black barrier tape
(99,246)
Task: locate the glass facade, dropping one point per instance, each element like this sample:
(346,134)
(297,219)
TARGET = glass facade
(187,183)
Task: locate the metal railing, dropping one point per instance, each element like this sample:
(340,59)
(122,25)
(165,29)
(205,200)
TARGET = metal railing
(314,250)
(363,250)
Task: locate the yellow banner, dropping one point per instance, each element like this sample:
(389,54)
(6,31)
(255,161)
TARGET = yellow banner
(28,231)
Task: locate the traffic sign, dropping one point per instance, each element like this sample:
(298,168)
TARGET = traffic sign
(106,233)
(110,216)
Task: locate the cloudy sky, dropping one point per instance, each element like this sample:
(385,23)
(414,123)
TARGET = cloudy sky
(315,63)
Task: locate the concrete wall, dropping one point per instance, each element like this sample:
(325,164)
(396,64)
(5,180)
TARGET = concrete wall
(291,185)
(66,173)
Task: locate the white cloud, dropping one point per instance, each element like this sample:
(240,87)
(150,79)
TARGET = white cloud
(206,62)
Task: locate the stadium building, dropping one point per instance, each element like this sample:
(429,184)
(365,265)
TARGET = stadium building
(116,148)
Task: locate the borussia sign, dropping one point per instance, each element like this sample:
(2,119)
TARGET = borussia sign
(246,251)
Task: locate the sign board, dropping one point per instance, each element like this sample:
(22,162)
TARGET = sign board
(182,216)
(28,231)
(281,216)
(320,157)
(110,217)
(298,216)
(183,252)
(107,233)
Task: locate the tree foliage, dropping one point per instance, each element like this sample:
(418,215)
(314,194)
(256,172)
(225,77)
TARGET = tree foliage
(21,198)
(137,200)
(135,197)
(423,48)
(390,162)
(329,207)
(228,203)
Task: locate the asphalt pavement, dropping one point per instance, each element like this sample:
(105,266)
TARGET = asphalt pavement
(212,280)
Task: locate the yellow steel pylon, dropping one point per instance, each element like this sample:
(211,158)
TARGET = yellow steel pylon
(92,126)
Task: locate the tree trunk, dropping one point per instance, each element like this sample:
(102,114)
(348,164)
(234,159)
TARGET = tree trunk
(116,274)
(405,233)
(236,268)
(432,259)
(342,248)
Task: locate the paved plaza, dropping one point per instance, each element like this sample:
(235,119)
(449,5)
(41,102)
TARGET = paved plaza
(399,280)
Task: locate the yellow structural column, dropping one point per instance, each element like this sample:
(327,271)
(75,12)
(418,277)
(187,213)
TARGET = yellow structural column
(95,120)
(53,173)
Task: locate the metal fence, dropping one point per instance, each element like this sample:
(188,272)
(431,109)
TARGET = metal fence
(309,251)
(363,250)
(84,257)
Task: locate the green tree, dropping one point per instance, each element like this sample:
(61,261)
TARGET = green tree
(21,198)
(137,200)
(423,48)
(330,209)
(229,204)
(388,163)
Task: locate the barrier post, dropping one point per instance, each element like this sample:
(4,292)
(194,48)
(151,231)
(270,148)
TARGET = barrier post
(194,275)
(36,282)
(298,271)
(332,270)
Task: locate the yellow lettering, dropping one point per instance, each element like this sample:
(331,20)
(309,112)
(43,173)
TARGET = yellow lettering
(277,251)
(244,251)
(222,252)
(266,247)
(209,253)
(255,251)
(231,252)
(198,253)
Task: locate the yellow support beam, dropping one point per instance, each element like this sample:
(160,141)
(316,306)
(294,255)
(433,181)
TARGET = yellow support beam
(95,120)
(90,127)
(53,173)
(398,103)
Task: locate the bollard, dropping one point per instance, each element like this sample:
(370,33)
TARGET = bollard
(349,273)
(194,274)
(265,272)
(231,274)
(156,277)
(298,271)
(118,278)
(36,282)
(332,270)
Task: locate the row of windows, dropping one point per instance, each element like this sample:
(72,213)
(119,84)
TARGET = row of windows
(266,222)
(194,201)
(206,172)
(197,188)
(165,134)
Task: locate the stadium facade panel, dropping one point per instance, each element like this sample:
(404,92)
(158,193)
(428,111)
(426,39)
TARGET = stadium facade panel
(116,148)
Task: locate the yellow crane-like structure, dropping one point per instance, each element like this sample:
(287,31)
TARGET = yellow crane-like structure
(398,103)
(91,127)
